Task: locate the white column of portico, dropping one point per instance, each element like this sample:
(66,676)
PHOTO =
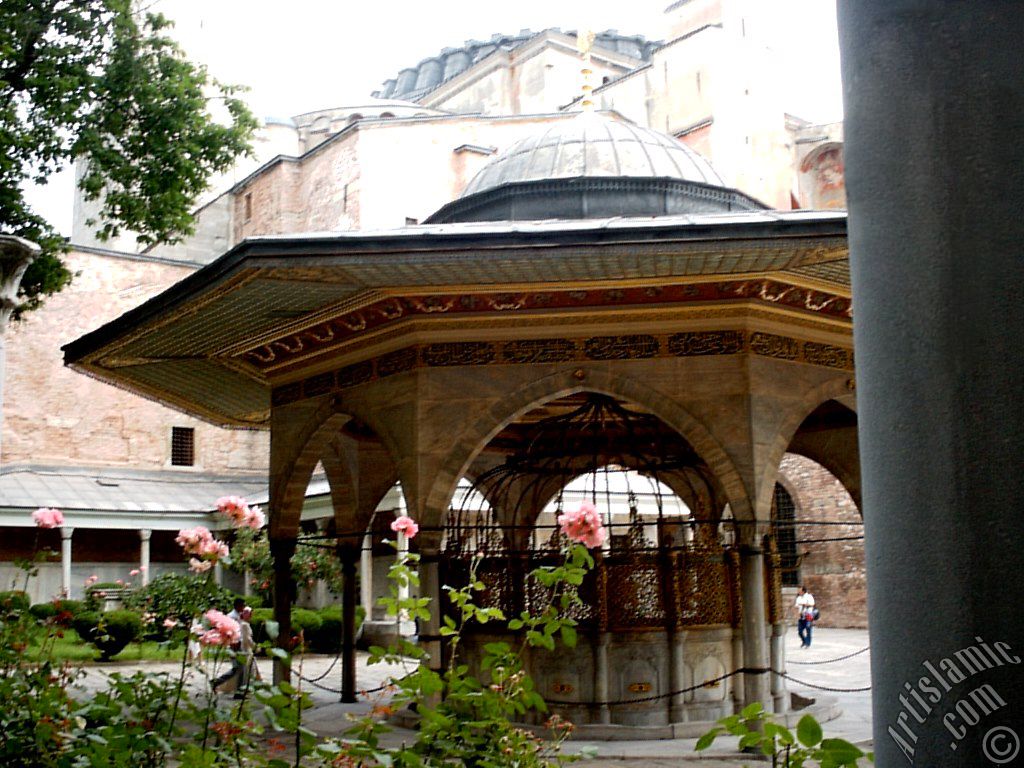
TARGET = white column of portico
(144,536)
(65,560)
(366,576)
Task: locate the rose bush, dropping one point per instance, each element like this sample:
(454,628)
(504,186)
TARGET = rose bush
(151,720)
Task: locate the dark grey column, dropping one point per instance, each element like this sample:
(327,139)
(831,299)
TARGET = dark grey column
(934,97)
(349,555)
(281,550)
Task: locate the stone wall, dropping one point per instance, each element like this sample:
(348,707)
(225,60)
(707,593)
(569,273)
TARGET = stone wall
(833,571)
(55,416)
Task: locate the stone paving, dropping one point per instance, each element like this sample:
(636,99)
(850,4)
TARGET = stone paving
(330,717)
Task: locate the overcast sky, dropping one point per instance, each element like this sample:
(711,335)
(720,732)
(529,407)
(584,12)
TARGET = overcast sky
(303,55)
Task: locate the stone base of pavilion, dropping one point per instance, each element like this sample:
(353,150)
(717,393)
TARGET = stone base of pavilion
(824,709)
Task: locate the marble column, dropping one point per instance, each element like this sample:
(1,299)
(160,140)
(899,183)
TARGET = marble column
(677,675)
(780,697)
(366,577)
(144,536)
(755,646)
(934,158)
(65,560)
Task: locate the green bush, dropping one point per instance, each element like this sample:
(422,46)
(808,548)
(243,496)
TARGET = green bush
(306,621)
(110,632)
(260,616)
(47,611)
(43,611)
(14,600)
(327,638)
(74,607)
(177,596)
(115,630)
(84,622)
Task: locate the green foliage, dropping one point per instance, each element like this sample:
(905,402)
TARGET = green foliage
(179,597)
(110,632)
(43,611)
(14,600)
(469,720)
(327,638)
(57,609)
(250,555)
(158,721)
(94,80)
(756,730)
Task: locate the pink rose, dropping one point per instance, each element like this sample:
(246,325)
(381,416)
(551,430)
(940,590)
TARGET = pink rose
(405,524)
(46,517)
(134,572)
(255,519)
(170,623)
(223,629)
(199,566)
(190,539)
(584,526)
(235,508)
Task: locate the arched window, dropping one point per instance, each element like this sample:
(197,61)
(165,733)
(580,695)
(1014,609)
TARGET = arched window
(784,527)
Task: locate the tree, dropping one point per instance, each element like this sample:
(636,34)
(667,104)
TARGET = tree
(99,81)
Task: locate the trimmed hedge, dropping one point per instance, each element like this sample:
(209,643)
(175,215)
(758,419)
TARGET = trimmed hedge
(47,611)
(110,632)
(321,628)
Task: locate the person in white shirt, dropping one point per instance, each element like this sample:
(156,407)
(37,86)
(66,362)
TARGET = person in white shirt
(805,616)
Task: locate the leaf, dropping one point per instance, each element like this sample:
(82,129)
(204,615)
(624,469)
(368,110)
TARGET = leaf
(841,751)
(707,739)
(808,731)
(568,636)
(751,739)
(751,711)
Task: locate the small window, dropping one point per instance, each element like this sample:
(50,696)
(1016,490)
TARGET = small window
(248,206)
(183,447)
(784,524)
(409,221)
(344,199)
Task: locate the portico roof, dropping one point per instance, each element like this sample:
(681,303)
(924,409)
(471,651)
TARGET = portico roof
(201,346)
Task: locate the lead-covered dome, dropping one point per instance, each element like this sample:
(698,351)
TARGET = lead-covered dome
(593,166)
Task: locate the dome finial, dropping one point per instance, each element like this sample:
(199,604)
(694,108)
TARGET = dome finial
(584,42)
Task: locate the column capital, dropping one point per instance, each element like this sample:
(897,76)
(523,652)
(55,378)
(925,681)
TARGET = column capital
(66,532)
(145,534)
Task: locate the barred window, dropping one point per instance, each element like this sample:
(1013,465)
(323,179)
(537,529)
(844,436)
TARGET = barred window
(183,447)
(784,524)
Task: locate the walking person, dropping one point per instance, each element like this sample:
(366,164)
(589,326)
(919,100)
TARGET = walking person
(805,616)
(246,656)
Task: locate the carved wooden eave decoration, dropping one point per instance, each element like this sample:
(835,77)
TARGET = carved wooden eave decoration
(276,311)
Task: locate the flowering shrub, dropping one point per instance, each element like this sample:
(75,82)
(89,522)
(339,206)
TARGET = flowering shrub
(150,720)
(250,556)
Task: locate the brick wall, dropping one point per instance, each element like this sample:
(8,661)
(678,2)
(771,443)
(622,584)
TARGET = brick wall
(53,415)
(833,571)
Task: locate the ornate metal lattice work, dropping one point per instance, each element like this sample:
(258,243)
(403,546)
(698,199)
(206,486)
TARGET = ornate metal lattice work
(650,573)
